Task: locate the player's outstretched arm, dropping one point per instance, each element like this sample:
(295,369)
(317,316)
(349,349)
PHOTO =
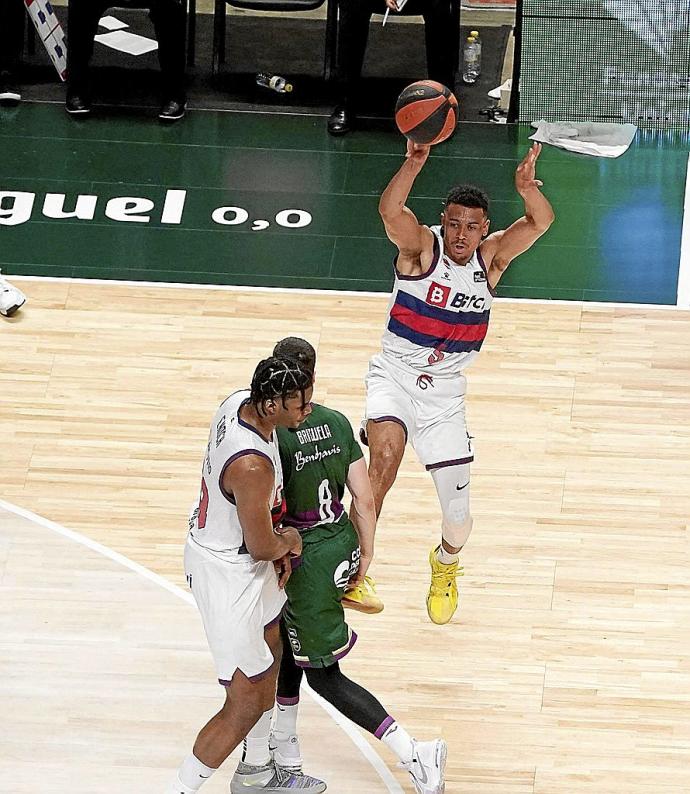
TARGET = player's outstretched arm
(250,479)
(500,248)
(362,514)
(402,227)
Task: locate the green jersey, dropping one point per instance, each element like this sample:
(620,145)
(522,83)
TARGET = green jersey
(316,460)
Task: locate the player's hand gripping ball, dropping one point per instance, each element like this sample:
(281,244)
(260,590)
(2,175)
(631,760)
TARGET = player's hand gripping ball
(426,112)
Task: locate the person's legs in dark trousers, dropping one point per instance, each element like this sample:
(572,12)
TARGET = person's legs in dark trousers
(441,40)
(352,44)
(82,25)
(12,16)
(168,19)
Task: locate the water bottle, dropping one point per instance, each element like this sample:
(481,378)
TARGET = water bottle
(475,34)
(471,55)
(274,81)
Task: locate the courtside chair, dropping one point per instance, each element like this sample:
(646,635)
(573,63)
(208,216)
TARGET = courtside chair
(287,6)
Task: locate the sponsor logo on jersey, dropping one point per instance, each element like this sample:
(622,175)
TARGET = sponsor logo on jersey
(301,459)
(439,295)
(479,275)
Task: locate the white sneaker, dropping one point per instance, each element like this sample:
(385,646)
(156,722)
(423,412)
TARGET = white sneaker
(271,779)
(285,752)
(428,766)
(11,298)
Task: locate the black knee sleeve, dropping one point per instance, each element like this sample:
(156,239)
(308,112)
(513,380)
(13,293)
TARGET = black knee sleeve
(352,700)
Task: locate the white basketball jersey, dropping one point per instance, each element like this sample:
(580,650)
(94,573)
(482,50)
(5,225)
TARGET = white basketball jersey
(437,322)
(214,524)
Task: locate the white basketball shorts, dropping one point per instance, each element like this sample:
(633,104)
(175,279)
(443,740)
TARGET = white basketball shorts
(431,410)
(237,601)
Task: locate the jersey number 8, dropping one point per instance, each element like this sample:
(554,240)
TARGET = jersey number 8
(325,501)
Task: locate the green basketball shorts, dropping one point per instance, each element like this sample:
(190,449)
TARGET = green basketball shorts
(314,616)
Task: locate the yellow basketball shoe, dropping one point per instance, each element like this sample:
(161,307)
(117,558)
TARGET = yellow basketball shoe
(363,597)
(442,600)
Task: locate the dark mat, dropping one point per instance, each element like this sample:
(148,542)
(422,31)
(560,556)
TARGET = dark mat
(284,45)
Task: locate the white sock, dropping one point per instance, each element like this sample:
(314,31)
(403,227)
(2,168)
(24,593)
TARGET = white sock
(256,751)
(286,720)
(445,556)
(193,774)
(399,741)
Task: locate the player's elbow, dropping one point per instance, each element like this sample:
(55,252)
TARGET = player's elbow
(389,212)
(541,224)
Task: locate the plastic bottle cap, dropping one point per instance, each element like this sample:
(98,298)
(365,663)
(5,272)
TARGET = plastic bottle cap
(471,39)
(474,33)
(288,88)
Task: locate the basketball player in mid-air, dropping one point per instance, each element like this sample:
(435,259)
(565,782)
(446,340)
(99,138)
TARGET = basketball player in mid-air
(445,277)
(236,566)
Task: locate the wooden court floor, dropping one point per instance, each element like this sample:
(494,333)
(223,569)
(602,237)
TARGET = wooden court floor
(567,667)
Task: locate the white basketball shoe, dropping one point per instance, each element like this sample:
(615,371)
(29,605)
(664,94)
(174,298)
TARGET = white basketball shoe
(11,298)
(427,767)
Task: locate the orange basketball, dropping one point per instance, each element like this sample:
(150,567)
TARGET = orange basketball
(426,112)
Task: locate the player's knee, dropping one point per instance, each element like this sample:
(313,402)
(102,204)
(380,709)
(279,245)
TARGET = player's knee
(384,458)
(325,681)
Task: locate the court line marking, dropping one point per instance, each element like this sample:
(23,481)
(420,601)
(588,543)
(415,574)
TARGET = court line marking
(352,732)
(339,292)
(683,294)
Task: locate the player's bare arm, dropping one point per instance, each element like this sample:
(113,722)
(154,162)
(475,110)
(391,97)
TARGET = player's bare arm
(250,479)
(500,248)
(362,514)
(413,240)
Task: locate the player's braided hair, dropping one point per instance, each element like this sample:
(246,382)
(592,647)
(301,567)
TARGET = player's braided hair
(299,349)
(278,376)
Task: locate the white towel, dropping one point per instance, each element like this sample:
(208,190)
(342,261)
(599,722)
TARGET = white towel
(586,137)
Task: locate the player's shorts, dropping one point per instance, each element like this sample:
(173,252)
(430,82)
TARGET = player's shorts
(314,616)
(237,601)
(430,408)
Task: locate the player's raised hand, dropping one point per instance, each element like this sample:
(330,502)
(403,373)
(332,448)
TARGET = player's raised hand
(525,175)
(417,153)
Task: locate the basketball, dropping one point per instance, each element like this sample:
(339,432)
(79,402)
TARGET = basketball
(426,112)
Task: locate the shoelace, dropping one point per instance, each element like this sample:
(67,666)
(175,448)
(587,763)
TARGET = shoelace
(441,580)
(282,775)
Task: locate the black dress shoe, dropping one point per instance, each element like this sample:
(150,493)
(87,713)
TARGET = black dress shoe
(172,110)
(77,105)
(341,121)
